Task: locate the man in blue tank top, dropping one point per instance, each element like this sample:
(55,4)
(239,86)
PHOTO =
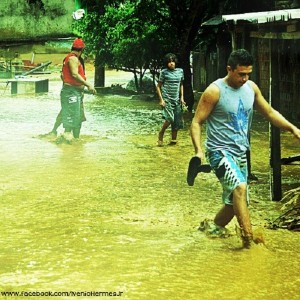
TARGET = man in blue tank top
(226,106)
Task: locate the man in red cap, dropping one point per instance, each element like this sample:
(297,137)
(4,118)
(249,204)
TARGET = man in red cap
(74,82)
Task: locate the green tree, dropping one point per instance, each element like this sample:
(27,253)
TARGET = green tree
(134,35)
(237,6)
(125,35)
(186,17)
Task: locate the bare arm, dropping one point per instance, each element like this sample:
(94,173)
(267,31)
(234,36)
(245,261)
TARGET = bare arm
(158,89)
(206,104)
(272,115)
(181,93)
(73,65)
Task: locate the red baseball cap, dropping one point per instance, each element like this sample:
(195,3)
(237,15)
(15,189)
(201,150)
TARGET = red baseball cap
(78,43)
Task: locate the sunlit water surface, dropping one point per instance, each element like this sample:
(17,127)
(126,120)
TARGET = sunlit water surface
(113,212)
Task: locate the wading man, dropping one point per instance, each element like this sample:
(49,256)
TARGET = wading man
(226,106)
(74,82)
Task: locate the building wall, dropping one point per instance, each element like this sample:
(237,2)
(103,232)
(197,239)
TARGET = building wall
(263,59)
(289,86)
(35,19)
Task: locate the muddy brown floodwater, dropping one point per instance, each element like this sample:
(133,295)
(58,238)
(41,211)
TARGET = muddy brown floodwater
(113,212)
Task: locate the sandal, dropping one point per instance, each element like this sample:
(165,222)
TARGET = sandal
(212,230)
(173,143)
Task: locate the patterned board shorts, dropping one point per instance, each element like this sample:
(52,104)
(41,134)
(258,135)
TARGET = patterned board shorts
(231,172)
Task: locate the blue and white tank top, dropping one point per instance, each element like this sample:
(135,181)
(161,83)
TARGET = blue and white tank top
(229,123)
(171,80)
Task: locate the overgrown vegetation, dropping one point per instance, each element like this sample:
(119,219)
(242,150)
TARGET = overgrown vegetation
(33,8)
(134,35)
(128,36)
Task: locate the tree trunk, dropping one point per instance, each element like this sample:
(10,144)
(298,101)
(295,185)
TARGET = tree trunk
(187,84)
(186,17)
(99,76)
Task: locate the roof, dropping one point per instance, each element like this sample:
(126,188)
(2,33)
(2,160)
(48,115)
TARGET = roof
(264,17)
(215,21)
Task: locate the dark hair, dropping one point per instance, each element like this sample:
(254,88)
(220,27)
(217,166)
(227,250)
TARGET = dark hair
(240,57)
(169,58)
(76,49)
(82,63)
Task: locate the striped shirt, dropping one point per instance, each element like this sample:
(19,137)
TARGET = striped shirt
(171,80)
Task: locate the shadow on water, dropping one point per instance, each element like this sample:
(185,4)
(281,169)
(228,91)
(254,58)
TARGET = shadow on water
(113,212)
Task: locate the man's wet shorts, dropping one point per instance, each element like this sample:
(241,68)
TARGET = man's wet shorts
(231,172)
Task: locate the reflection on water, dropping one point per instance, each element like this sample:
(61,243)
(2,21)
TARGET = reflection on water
(112,212)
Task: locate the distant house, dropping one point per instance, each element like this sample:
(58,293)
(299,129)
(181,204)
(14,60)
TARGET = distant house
(273,38)
(265,34)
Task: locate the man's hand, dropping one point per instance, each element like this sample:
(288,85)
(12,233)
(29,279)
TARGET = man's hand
(296,132)
(91,89)
(200,154)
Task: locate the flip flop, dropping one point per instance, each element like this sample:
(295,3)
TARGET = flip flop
(192,173)
(206,168)
(194,168)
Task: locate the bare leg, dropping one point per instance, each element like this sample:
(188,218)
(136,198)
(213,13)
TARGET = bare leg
(241,212)
(174,135)
(162,131)
(224,216)
(56,125)
(58,122)
(76,132)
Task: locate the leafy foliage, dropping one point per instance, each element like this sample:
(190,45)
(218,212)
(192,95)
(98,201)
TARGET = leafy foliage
(128,36)
(134,35)
(237,6)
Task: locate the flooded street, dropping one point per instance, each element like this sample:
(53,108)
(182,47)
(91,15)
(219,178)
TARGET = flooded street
(113,212)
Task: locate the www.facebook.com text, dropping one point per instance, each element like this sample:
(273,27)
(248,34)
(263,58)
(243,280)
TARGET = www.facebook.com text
(61,294)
